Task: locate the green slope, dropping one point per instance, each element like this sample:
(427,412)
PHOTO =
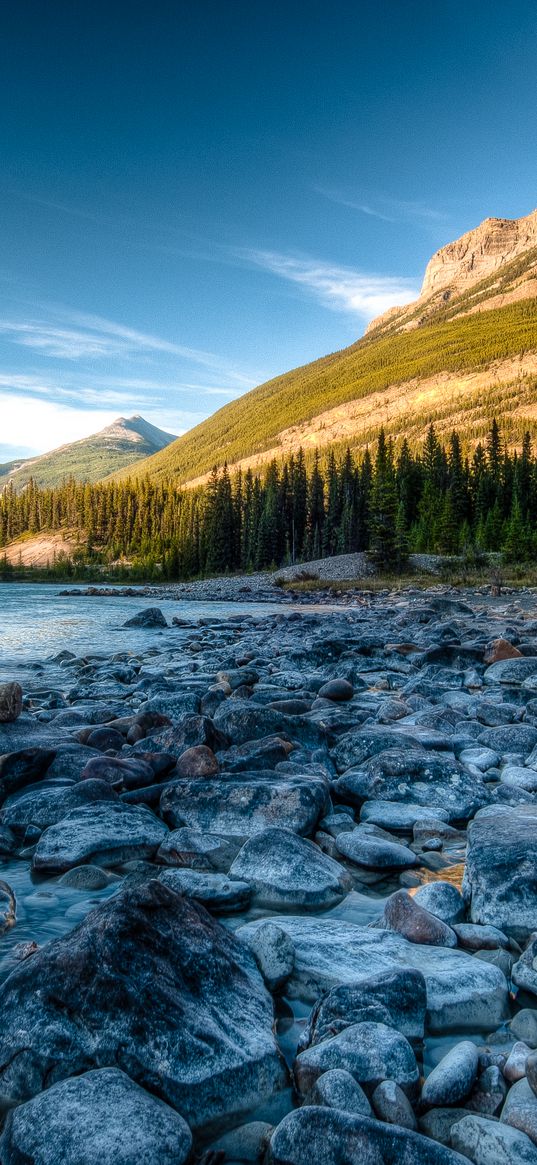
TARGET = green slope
(252,423)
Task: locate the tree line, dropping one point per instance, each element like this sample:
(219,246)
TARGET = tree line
(388,502)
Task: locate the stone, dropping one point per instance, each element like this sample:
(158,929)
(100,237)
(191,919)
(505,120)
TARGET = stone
(286,871)
(370,1051)
(509,738)
(520,1109)
(119,772)
(488,1093)
(195,850)
(405,916)
(397,816)
(329,1136)
(85,878)
(463,993)
(442,899)
(415,777)
(147,979)
(274,953)
(336,690)
(99,1118)
(501,869)
(524,1026)
(21,768)
(10,702)
(499,649)
(452,1080)
(519,777)
(199,761)
(217,893)
(397,998)
(149,617)
(246,1143)
(243,806)
(515,1065)
(104,739)
(392,1105)
(437,1123)
(337,1088)
(373,853)
(104,833)
(531,1071)
(488,1142)
(474,937)
(46,806)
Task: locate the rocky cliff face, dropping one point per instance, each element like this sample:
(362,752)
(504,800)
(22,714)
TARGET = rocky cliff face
(490,249)
(479,253)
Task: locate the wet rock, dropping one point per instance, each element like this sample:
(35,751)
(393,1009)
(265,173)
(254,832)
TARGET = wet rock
(147,979)
(453,1078)
(245,1143)
(474,937)
(44,807)
(10,702)
(8,907)
(437,1123)
(405,916)
(84,1121)
(520,1109)
(18,769)
(262,754)
(524,1026)
(199,761)
(119,772)
(286,871)
(370,1051)
(515,1065)
(198,851)
(357,746)
(501,869)
(488,1093)
(531,1071)
(373,853)
(393,1106)
(394,815)
(509,738)
(525,969)
(241,721)
(85,878)
(105,833)
(242,807)
(415,777)
(104,739)
(442,899)
(397,998)
(329,1136)
(336,690)
(149,617)
(274,953)
(217,893)
(519,777)
(337,1088)
(488,1142)
(462,992)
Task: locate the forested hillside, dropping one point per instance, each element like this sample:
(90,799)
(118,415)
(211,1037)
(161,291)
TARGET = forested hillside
(438,500)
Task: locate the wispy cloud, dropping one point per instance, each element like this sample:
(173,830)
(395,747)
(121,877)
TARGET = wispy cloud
(383,207)
(340,288)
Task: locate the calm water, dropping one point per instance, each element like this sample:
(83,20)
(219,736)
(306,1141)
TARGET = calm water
(36,622)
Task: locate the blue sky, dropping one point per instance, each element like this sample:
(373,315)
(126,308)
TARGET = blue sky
(197,196)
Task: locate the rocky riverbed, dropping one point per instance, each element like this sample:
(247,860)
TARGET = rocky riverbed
(291,860)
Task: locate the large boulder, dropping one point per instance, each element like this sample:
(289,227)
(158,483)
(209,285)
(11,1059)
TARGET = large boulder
(99,1118)
(21,768)
(149,617)
(463,992)
(397,998)
(286,871)
(416,777)
(148,982)
(240,806)
(105,833)
(501,869)
(489,1142)
(42,807)
(370,1051)
(329,1136)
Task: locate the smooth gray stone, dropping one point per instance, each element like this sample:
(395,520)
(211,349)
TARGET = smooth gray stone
(397,998)
(99,1118)
(243,806)
(510,671)
(274,953)
(520,1109)
(488,1142)
(452,1080)
(515,1065)
(328,1136)
(416,777)
(476,937)
(510,738)
(217,893)
(437,1123)
(394,815)
(462,992)
(524,1026)
(337,1088)
(363,849)
(104,833)
(286,871)
(488,1093)
(198,851)
(43,807)
(442,899)
(370,1051)
(501,869)
(145,979)
(245,1143)
(392,1105)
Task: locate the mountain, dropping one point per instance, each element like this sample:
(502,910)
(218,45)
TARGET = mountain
(119,445)
(463,352)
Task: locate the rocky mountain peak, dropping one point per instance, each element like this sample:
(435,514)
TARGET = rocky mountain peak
(479,253)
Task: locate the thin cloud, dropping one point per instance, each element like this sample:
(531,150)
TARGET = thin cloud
(340,288)
(385,208)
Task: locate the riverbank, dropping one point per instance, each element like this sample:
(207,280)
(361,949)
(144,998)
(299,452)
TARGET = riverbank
(292,851)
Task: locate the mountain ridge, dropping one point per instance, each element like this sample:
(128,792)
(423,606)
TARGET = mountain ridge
(120,444)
